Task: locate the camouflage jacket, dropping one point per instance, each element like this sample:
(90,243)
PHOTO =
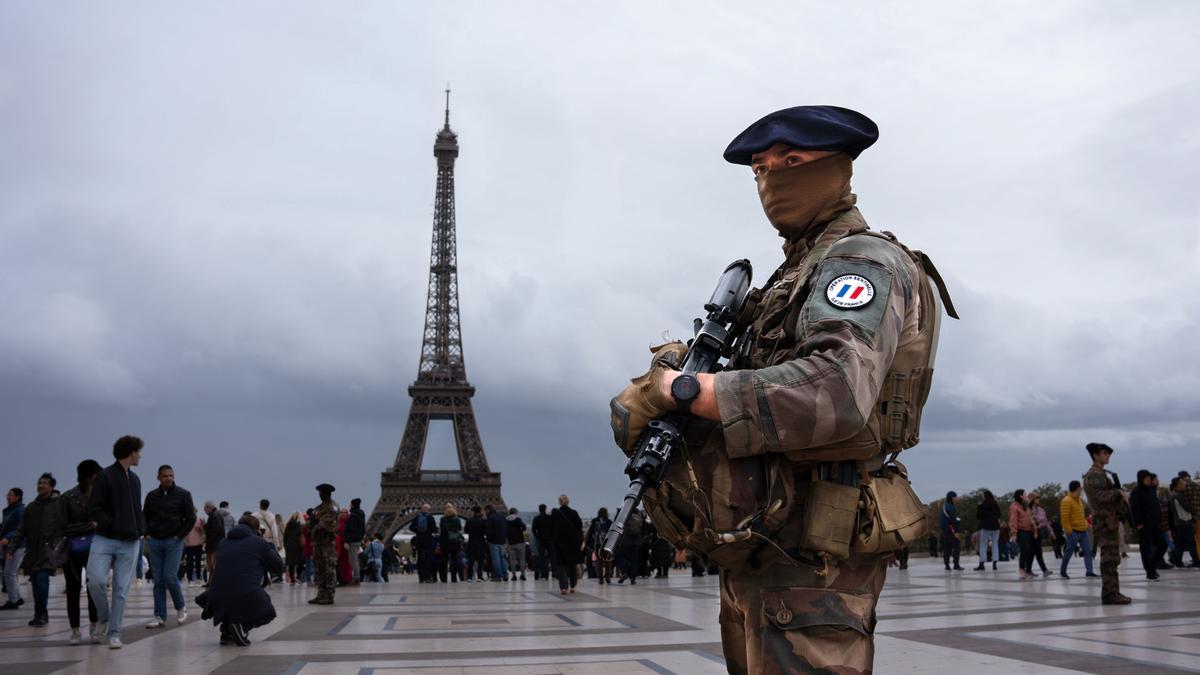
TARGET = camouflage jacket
(811,387)
(325,522)
(1104,497)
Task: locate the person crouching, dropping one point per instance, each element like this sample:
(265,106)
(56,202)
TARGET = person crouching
(235,600)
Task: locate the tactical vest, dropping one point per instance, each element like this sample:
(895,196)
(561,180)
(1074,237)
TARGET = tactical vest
(737,506)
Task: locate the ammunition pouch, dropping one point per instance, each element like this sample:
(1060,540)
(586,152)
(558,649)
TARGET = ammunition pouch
(891,515)
(830,515)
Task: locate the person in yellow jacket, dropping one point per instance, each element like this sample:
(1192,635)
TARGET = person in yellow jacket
(1075,529)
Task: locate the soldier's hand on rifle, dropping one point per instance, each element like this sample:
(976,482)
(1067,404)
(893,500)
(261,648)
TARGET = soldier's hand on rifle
(644,398)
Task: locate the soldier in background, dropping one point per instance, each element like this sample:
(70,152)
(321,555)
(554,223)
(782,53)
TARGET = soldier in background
(1108,504)
(324,532)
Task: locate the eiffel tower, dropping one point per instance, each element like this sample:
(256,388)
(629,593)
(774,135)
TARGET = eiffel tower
(441,391)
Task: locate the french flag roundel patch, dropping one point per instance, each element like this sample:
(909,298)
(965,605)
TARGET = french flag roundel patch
(849,291)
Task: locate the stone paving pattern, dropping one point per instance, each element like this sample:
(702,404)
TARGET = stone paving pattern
(930,622)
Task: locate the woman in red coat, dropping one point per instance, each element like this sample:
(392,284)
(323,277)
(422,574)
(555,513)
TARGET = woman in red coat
(345,575)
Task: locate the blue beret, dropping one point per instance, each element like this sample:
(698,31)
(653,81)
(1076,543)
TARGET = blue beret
(810,127)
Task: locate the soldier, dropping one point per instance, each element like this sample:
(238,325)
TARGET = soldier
(842,330)
(1108,507)
(324,532)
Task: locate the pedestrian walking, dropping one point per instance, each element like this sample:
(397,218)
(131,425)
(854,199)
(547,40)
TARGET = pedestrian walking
(79,529)
(39,534)
(170,516)
(120,524)
(567,536)
(14,511)
(1075,528)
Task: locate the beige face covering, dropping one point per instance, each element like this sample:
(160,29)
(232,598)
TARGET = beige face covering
(797,198)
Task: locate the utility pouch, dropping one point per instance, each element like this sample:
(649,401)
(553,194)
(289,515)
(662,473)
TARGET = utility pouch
(830,515)
(892,515)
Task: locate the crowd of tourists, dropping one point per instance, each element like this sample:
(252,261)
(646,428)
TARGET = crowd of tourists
(491,545)
(104,534)
(1164,519)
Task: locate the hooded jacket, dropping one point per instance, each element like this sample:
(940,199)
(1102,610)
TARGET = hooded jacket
(236,594)
(1147,511)
(516,530)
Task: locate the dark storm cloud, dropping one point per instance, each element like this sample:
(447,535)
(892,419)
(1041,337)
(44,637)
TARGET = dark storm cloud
(214,224)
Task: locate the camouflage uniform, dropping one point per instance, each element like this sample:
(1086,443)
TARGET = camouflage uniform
(324,532)
(1107,502)
(813,390)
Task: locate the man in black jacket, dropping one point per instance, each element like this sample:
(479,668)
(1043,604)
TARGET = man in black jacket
(356,531)
(120,524)
(477,549)
(170,515)
(497,539)
(423,528)
(541,541)
(1147,518)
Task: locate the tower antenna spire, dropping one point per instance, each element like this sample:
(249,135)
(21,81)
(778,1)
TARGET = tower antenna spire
(447,105)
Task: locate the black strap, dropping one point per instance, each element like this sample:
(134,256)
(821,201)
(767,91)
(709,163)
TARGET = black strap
(931,271)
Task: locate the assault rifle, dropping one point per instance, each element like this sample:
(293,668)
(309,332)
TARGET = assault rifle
(1127,513)
(663,436)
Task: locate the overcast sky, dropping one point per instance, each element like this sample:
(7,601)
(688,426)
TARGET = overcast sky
(215,224)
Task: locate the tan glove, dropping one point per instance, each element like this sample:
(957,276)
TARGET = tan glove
(643,399)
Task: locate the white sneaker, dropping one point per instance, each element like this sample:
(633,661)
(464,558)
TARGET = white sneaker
(114,643)
(181,616)
(74,639)
(154,623)
(98,631)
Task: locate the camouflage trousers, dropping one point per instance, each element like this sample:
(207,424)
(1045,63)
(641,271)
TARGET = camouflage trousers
(1110,559)
(781,618)
(325,569)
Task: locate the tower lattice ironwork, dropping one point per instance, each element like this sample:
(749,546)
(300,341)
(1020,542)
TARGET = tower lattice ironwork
(441,390)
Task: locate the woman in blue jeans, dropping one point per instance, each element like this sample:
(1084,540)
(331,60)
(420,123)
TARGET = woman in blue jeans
(988,517)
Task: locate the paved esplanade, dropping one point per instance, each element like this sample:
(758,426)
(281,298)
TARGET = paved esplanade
(971,622)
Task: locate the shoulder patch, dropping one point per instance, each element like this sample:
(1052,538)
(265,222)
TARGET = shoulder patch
(850,291)
(847,290)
